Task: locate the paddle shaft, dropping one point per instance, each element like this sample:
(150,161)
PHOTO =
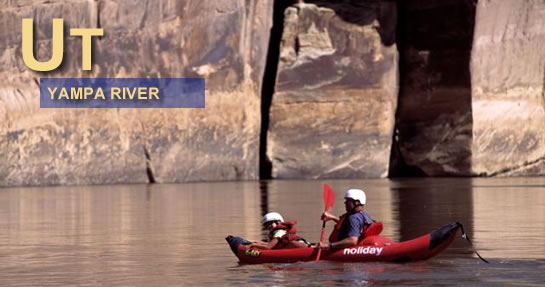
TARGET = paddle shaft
(321,241)
(329,199)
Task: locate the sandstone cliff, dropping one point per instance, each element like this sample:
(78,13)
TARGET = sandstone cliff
(369,88)
(508,88)
(223,41)
(332,113)
(472,84)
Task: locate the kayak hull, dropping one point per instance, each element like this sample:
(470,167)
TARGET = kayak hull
(374,249)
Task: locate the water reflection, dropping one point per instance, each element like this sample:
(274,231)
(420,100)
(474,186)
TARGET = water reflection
(510,214)
(424,204)
(138,235)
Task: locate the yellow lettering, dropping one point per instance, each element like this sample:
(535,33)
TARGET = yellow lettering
(86,35)
(52,93)
(76,94)
(131,95)
(142,91)
(87,92)
(115,91)
(28,46)
(63,94)
(100,93)
(153,92)
(116,94)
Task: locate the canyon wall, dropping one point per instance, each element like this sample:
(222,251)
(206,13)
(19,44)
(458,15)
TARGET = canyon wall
(332,113)
(360,89)
(508,88)
(222,41)
(434,118)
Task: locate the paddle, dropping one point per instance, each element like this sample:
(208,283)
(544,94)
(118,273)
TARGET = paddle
(329,199)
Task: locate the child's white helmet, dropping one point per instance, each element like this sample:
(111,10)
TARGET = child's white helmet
(272,216)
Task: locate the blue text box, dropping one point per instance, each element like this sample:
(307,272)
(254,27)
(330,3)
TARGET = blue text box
(122,93)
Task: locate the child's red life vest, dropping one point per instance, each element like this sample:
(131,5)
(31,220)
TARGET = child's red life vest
(289,227)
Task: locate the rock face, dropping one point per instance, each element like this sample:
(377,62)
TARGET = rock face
(434,118)
(508,76)
(222,41)
(332,113)
(470,99)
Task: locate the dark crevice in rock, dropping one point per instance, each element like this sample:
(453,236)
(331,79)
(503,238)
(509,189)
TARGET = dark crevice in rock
(297,46)
(149,166)
(269,81)
(98,15)
(525,165)
(543,89)
(434,40)
(145,17)
(364,12)
(397,164)
(398,167)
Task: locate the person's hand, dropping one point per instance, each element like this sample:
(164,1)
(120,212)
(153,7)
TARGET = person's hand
(255,245)
(326,216)
(323,245)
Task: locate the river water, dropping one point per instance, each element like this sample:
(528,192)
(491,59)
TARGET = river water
(173,234)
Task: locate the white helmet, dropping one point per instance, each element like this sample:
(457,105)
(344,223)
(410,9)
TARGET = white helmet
(272,216)
(356,194)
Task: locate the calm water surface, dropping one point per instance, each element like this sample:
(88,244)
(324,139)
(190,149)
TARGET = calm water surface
(173,235)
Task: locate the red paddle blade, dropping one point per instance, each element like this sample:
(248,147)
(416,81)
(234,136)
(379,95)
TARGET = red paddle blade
(329,197)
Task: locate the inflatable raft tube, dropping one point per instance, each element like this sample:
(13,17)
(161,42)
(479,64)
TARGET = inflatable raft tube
(373,249)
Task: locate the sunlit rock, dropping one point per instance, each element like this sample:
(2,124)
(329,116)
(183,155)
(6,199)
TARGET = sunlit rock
(223,41)
(332,113)
(508,87)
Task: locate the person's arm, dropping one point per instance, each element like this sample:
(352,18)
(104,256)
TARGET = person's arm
(265,245)
(345,243)
(328,216)
(355,225)
(255,244)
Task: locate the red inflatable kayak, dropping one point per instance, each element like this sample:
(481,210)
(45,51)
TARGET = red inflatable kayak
(373,248)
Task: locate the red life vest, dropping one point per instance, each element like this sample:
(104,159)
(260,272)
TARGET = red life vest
(367,230)
(334,236)
(289,227)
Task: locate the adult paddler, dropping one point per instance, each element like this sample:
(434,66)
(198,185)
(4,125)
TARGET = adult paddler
(350,227)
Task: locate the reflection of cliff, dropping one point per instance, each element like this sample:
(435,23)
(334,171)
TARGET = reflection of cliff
(509,217)
(422,205)
(123,233)
(369,88)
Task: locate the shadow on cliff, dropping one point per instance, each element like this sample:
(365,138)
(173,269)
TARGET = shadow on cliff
(365,12)
(424,204)
(434,122)
(269,82)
